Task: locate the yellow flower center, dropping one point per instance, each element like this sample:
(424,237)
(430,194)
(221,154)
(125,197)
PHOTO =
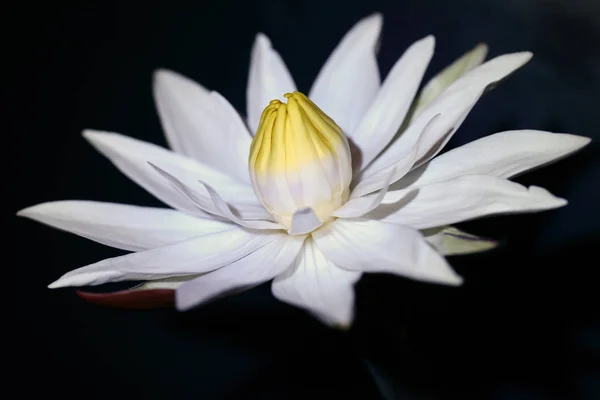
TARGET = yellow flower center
(299,159)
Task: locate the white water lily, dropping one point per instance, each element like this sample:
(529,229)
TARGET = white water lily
(327,189)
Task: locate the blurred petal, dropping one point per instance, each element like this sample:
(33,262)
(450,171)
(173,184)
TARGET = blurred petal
(257,267)
(269,79)
(388,110)
(193,256)
(122,226)
(202,124)
(452,241)
(448,76)
(319,286)
(373,246)
(461,199)
(453,105)
(349,79)
(503,154)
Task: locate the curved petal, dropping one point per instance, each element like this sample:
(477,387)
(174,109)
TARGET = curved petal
(193,256)
(319,286)
(207,199)
(304,221)
(122,226)
(349,79)
(503,154)
(448,76)
(393,101)
(451,241)
(453,105)
(373,180)
(131,156)
(373,246)
(357,207)
(268,79)
(461,199)
(202,124)
(256,267)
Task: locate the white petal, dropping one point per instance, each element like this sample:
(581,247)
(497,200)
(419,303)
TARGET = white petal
(304,221)
(357,207)
(452,241)
(503,154)
(448,76)
(207,199)
(373,180)
(269,79)
(131,156)
(349,79)
(319,286)
(387,112)
(122,226)
(453,104)
(202,124)
(461,199)
(197,255)
(373,246)
(257,267)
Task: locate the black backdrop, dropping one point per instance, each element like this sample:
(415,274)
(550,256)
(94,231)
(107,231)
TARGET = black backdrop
(525,324)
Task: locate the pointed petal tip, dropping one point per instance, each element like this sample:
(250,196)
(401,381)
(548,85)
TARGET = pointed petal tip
(582,140)
(161,76)
(545,195)
(429,40)
(262,39)
(25,212)
(512,60)
(455,280)
(56,284)
(34,211)
(93,136)
(182,302)
(375,20)
(523,56)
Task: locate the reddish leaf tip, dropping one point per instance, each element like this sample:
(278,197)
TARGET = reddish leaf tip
(132,299)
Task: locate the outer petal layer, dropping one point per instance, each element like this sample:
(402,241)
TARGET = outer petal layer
(461,199)
(373,246)
(200,254)
(202,124)
(453,105)
(316,284)
(349,80)
(256,267)
(122,226)
(391,105)
(503,154)
(207,199)
(132,157)
(448,76)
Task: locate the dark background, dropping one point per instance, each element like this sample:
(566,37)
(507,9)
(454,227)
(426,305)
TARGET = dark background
(524,326)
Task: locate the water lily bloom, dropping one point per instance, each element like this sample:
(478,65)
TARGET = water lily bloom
(311,191)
